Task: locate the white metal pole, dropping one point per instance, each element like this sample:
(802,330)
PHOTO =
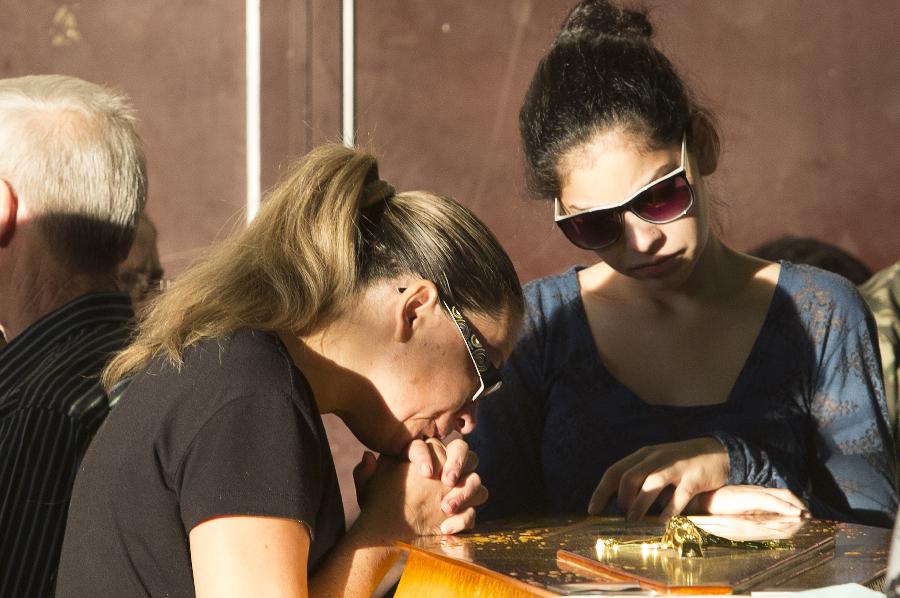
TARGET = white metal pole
(348,67)
(254,143)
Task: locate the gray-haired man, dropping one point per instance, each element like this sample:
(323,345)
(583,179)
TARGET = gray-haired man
(72,185)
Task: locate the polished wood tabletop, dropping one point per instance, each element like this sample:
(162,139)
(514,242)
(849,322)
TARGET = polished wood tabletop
(541,558)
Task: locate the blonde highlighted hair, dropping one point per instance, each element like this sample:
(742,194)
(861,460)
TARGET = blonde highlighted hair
(311,248)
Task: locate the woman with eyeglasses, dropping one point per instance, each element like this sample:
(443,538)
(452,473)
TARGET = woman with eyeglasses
(675,374)
(213,475)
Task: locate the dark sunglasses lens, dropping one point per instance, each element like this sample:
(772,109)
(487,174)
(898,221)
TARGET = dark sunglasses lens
(592,230)
(665,201)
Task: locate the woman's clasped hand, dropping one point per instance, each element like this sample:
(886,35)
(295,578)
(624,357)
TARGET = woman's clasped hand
(438,486)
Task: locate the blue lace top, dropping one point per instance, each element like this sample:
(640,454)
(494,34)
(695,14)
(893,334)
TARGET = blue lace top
(807,412)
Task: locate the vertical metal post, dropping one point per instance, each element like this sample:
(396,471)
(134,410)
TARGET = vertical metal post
(253,79)
(348,73)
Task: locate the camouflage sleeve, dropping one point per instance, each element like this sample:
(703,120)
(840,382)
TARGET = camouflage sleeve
(882,294)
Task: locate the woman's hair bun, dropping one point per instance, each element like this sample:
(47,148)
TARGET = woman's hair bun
(594,18)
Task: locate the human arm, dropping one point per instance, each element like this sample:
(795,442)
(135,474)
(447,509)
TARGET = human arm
(260,556)
(256,469)
(688,476)
(853,473)
(249,556)
(453,464)
(267,556)
(749,464)
(397,504)
(690,467)
(747,500)
(247,483)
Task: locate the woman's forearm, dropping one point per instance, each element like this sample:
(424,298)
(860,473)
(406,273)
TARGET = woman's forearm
(355,565)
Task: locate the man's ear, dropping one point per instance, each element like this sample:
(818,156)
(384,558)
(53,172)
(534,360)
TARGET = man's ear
(9,211)
(419,300)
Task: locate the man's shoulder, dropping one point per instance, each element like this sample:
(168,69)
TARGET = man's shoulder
(56,363)
(882,293)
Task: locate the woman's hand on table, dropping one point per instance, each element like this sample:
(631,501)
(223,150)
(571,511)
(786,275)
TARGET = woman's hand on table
(690,467)
(745,500)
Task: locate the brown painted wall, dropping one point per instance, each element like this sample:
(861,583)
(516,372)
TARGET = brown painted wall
(182,64)
(809,104)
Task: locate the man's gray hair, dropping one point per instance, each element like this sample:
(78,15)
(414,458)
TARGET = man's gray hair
(69,148)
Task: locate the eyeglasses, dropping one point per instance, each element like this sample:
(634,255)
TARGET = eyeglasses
(664,200)
(140,285)
(489,377)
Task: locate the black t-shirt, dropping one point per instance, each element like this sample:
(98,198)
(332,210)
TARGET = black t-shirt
(235,432)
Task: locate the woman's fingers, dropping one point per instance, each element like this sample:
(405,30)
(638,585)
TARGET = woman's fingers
(773,504)
(421,455)
(609,482)
(651,487)
(602,493)
(431,458)
(455,465)
(645,478)
(638,479)
(363,472)
(470,493)
(458,523)
(651,471)
(682,496)
(789,497)
(457,462)
(471,463)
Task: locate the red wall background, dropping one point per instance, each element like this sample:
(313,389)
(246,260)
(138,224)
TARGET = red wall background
(807,94)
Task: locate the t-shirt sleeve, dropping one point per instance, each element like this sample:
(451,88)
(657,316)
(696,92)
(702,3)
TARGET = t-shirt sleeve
(254,456)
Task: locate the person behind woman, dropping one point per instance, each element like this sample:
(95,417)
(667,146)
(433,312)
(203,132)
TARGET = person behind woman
(213,476)
(675,370)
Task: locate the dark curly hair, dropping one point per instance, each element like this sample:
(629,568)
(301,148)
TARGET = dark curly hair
(603,72)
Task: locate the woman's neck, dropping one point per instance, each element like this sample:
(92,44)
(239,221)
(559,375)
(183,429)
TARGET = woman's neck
(329,369)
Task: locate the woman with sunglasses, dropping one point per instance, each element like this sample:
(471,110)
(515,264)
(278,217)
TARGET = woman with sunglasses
(213,475)
(675,372)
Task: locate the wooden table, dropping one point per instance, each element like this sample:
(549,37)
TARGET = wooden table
(520,558)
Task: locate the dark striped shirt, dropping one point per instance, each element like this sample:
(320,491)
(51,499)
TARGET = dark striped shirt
(51,404)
